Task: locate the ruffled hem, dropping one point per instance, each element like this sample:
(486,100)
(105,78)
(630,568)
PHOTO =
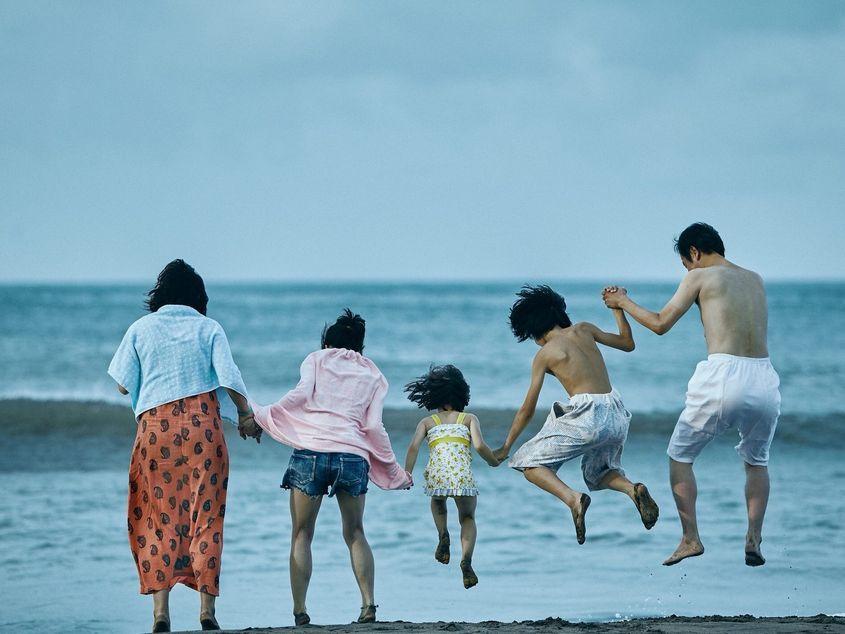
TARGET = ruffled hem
(451,492)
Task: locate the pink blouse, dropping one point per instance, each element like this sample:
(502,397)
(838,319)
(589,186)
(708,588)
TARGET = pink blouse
(337,408)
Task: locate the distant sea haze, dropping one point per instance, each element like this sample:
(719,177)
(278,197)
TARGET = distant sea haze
(56,341)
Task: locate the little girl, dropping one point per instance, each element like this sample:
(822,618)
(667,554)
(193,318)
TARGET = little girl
(449,431)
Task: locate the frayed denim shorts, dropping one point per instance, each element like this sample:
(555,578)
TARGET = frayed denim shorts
(315,473)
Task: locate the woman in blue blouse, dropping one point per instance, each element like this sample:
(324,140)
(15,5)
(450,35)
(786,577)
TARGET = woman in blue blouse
(176,367)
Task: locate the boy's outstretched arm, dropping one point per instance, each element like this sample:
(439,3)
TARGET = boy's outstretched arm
(414,447)
(623,341)
(478,443)
(661,322)
(529,406)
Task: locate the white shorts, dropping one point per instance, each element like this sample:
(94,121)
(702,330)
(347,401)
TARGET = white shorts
(729,392)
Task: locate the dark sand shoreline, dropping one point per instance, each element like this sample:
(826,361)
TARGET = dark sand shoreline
(666,625)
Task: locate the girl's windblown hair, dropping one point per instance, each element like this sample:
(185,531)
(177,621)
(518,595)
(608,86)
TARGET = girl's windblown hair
(347,332)
(178,283)
(536,312)
(442,386)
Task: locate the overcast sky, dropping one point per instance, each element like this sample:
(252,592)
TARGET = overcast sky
(433,140)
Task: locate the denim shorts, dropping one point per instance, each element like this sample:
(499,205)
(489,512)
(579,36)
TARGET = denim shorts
(315,473)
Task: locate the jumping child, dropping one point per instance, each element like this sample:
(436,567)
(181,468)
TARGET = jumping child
(450,431)
(593,426)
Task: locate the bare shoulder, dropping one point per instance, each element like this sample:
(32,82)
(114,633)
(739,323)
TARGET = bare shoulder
(427,422)
(472,418)
(584,327)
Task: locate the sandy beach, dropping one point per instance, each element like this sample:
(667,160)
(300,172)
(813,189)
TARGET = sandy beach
(667,625)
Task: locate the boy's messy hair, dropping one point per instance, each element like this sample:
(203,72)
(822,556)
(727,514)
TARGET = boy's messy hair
(536,312)
(346,332)
(443,385)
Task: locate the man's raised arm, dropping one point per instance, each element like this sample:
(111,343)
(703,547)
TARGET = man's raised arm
(662,322)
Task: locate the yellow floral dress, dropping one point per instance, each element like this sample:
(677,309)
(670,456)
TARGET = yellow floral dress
(449,468)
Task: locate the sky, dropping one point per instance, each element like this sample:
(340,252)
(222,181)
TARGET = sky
(418,140)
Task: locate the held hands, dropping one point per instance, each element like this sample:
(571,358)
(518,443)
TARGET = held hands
(247,427)
(613,296)
(501,454)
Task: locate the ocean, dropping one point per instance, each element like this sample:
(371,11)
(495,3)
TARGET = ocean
(68,433)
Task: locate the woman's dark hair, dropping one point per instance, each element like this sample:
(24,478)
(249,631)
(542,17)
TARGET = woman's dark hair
(442,386)
(701,236)
(347,332)
(536,312)
(178,283)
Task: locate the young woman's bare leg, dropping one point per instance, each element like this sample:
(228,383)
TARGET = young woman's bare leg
(303,515)
(578,503)
(161,610)
(440,513)
(363,566)
(207,618)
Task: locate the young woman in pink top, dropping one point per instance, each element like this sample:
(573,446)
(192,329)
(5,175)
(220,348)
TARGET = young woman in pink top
(332,419)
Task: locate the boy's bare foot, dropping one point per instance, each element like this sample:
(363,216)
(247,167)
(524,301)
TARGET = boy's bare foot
(578,515)
(470,578)
(687,548)
(649,511)
(753,556)
(442,552)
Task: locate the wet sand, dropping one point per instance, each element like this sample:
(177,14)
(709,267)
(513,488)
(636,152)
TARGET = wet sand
(667,625)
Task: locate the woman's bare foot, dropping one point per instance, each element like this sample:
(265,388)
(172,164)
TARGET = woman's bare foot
(649,512)
(687,548)
(442,553)
(208,622)
(368,614)
(161,623)
(470,578)
(579,514)
(301,619)
(753,556)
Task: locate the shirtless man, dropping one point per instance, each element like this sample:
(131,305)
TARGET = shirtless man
(593,426)
(735,387)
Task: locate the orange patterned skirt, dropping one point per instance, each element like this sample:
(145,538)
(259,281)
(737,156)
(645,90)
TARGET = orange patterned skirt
(177,495)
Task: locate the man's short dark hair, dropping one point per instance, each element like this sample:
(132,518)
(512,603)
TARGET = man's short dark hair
(701,236)
(178,283)
(536,312)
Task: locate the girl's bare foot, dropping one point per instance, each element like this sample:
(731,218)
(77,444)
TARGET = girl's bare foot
(687,548)
(649,512)
(301,619)
(442,553)
(470,578)
(368,614)
(579,514)
(208,622)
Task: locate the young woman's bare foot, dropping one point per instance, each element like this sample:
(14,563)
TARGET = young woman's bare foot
(470,578)
(753,556)
(161,623)
(687,548)
(649,512)
(208,621)
(442,552)
(579,514)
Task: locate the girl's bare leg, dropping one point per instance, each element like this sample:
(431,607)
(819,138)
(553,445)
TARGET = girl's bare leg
(466,515)
(440,513)
(303,515)
(207,617)
(161,607)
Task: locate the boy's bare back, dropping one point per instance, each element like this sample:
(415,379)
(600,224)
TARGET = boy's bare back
(573,357)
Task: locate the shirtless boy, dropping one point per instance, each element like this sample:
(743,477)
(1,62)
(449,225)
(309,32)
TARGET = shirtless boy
(736,387)
(593,426)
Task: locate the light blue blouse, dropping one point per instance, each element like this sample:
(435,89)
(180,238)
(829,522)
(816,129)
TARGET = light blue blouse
(173,353)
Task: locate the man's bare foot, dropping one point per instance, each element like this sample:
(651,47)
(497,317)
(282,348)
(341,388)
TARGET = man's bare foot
(753,556)
(687,548)
(470,578)
(579,514)
(649,512)
(442,552)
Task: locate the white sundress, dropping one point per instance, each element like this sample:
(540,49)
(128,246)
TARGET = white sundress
(449,468)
